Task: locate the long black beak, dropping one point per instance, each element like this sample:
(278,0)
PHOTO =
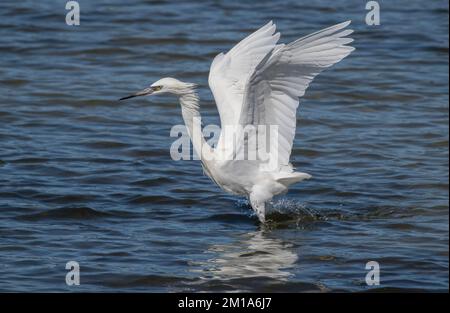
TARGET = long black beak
(146,91)
(127,97)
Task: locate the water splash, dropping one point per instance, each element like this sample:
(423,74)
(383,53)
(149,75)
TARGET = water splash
(285,211)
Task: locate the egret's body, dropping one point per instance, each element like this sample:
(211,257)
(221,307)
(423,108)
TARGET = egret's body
(258,82)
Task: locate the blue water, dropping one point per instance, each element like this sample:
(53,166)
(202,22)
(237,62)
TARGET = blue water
(86,178)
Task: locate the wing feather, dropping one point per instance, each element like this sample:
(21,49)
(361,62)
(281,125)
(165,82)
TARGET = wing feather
(229,73)
(283,75)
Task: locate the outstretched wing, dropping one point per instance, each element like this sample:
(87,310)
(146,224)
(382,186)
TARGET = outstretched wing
(273,91)
(229,73)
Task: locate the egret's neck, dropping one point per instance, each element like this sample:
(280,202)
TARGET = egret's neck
(190,110)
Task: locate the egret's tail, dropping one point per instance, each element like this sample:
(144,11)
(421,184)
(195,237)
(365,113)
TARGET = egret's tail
(288,179)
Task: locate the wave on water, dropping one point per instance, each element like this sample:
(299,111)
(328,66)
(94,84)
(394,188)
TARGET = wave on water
(66,213)
(73,213)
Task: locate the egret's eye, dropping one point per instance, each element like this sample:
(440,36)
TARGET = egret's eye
(157,88)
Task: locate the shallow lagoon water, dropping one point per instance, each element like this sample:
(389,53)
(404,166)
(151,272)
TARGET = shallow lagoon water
(86,178)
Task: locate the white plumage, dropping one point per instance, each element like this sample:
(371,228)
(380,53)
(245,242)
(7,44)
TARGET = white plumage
(258,82)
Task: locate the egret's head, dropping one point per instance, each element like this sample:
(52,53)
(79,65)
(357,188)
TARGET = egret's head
(164,85)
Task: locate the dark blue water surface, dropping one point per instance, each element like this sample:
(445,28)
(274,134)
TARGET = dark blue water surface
(86,178)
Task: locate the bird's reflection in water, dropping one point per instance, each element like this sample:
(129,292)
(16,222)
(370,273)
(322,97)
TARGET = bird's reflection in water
(252,255)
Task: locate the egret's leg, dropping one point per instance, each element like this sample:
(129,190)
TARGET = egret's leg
(259,207)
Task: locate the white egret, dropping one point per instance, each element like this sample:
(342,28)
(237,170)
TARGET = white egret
(258,82)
